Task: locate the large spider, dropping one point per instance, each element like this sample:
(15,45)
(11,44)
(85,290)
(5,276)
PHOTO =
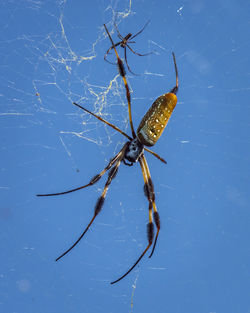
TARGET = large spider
(148,132)
(124,43)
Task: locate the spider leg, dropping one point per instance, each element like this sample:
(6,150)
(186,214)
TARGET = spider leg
(150,232)
(104,121)
(109,49)
(156,155)
(150,225)
(100,201)
(105,57)
(123,75)
(140,55)
(117,30)
(140,31)
(92,182)
(149,192)
(125,57)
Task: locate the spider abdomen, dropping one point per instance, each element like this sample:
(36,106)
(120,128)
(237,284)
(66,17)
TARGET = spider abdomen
(156,119)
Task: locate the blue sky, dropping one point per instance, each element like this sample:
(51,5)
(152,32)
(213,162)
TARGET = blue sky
(51,55)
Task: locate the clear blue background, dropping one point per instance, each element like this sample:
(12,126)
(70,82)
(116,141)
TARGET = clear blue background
(51,54)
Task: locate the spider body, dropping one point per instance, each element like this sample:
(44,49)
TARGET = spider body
(156,119)
(133,151)
(124,41)
(148,132)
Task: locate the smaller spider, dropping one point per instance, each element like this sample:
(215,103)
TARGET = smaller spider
(124,43)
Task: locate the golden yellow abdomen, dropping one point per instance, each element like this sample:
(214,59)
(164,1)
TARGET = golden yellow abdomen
(156,119)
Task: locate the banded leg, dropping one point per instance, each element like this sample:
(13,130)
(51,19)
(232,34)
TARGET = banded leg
(149,191)
(150,225)
(92,182)
(123,75)
(100,201)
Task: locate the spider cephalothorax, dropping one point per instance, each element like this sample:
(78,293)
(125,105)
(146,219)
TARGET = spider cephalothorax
(148,132)
(133,151)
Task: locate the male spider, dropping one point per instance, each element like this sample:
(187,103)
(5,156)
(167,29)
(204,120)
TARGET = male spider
(148,132)
(124,43)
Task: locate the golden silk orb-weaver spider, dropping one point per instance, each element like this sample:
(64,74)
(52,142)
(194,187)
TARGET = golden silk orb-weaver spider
(148,132)
(124,43)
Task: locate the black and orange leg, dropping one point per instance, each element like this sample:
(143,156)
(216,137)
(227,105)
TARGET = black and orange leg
(150,194)
(92,182)
(150,225)
(123,75)
(99,204)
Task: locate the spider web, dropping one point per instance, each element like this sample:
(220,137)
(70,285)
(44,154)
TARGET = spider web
(52,55)
(63,74)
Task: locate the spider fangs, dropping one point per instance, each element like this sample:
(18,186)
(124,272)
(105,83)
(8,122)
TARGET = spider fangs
(148,133)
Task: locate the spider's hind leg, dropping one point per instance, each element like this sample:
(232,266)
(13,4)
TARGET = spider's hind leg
(150,194)
(148,188)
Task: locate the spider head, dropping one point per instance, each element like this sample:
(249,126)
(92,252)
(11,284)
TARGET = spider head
(134,150)
(125,40)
